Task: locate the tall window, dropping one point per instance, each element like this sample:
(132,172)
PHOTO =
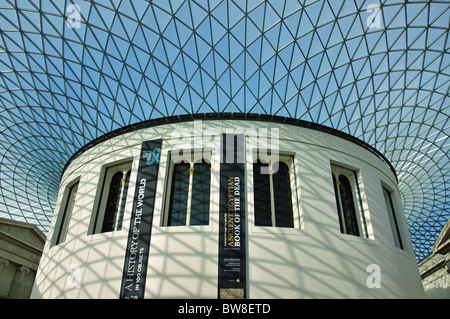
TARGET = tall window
(351,216)
(190,184)
(392,219)
(113,198)
(272,194)
(66,214)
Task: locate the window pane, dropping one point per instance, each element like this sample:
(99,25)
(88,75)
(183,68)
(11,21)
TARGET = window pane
(338,204)
(112,205)
(348,206)
(119,219)
(282,196)
(200,194)
(261,186)
(65,219)
(392,219)
(179,195)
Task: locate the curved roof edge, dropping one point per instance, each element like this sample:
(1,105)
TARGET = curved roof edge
(228,116)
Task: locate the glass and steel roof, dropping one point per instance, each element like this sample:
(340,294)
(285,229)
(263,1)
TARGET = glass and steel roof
(71,71)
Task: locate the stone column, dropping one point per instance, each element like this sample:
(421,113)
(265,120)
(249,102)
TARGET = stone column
(3,263)
(19,287)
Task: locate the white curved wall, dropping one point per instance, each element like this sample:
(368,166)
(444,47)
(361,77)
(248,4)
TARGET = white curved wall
(312,260)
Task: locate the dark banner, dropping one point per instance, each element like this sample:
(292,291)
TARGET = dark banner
(138,246)
(232,244)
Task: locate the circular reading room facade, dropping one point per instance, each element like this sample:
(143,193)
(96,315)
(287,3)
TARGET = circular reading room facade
(228,207)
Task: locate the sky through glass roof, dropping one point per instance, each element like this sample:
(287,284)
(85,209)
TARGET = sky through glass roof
(71,71)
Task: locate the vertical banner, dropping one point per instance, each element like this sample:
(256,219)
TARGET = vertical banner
(138,246)
(232,278)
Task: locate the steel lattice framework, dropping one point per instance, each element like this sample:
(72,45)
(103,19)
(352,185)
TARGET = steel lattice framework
(71,71)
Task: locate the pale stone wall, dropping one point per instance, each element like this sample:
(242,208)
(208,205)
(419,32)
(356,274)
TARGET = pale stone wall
(312,260)
(435,269)
(21,247)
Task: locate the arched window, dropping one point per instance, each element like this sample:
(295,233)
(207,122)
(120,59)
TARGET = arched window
(113,195)
(348,206)
(392,218)
(189,193)
(351,216)
(272,194)
(66,214)
(115,204)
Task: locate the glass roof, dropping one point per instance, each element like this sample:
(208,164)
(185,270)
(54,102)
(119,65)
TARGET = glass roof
(71,71)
